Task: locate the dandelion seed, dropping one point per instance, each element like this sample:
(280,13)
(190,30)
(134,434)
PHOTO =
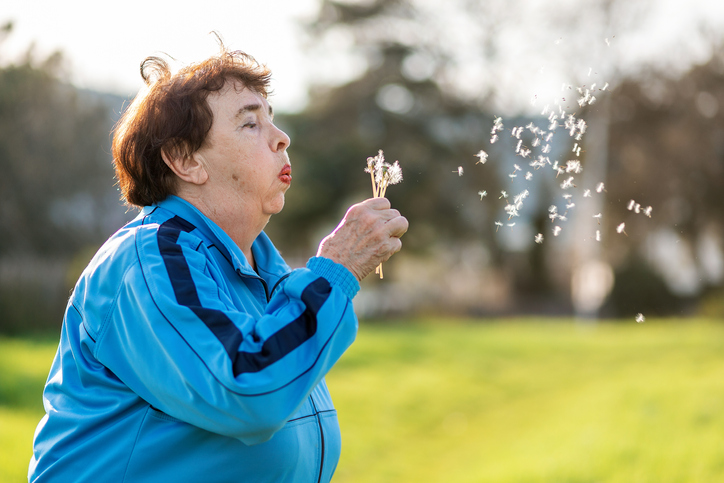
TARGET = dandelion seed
(592,100)
(459,171)
(536,142)
(608,42)
(570,205)
(586,193)
(621,229)
(545,110)
(520,197)
(512,175)
(511,224)
(498,225)
(482,194)
(511,210)
(525,152)
(568,183)
(631,205)
(493,138)
(556,230)
(573,166)
(647,211)
(503,194)
(528,176)
(598,217)
(563,217)
(640,318)
(637,208)
(549,137)
(581,126)
(553,125)
(546,149)
(605,86)
(539,238)
(600,187)
(598,235)
(483,157)
(590,69)
(517,148)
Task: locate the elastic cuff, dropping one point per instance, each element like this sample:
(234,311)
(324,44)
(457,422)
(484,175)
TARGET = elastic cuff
(335,273)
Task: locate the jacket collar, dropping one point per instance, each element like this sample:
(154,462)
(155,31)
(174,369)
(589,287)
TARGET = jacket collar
(269,263)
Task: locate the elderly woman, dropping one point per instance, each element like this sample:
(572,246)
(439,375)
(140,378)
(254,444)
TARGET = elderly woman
(189,350)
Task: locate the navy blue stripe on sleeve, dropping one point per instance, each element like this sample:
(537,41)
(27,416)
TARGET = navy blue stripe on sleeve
(276,346)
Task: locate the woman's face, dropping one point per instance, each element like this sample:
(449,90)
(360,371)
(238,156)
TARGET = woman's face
(245,153)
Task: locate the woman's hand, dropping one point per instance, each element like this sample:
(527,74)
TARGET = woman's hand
(368,235)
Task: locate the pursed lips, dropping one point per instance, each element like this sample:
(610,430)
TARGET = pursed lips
(285,175)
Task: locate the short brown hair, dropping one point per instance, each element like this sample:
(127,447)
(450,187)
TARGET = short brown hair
(171,114)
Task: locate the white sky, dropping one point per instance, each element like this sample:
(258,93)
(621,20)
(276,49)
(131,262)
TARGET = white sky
(104,42)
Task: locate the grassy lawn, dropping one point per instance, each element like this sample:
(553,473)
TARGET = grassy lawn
(504,401)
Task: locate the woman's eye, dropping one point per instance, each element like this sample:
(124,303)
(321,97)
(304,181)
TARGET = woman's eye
(250,124)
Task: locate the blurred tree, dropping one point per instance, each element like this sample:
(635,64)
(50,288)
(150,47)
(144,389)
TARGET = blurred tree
(432,75)
(56,189)
(54,156)
(667,152)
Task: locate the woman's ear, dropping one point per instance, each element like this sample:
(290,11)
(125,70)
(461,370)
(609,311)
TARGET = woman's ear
(190,169)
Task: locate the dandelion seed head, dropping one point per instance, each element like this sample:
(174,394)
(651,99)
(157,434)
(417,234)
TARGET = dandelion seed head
(394,173)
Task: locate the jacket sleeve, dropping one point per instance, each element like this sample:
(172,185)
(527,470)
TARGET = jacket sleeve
(178,342)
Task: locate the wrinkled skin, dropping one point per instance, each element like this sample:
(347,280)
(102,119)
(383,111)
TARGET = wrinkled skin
(368,235)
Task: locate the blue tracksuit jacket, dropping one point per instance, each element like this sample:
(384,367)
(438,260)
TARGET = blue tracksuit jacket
(178,362)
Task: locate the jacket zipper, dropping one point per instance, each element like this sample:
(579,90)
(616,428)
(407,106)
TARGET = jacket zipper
(263,283)
(321,437)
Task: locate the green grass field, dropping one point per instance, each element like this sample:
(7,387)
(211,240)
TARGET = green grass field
(505,401)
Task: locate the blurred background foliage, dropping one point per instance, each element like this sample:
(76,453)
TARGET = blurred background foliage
(658,135)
